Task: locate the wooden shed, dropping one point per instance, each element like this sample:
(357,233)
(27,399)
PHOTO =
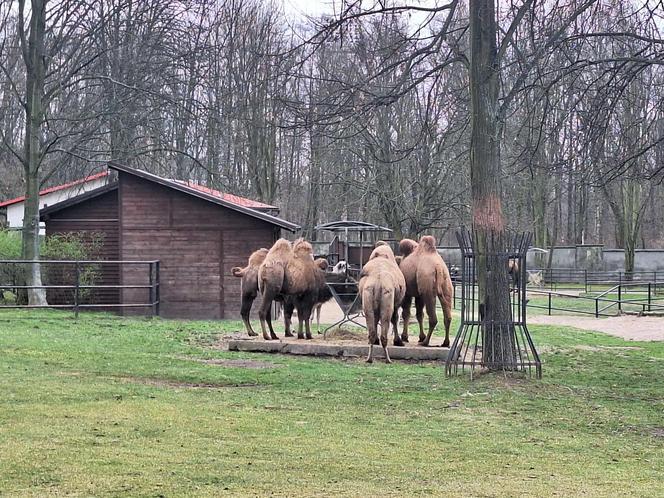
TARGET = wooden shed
(198,234)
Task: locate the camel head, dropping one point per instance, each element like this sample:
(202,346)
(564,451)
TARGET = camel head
(406,246)
(321,263)
(380,243)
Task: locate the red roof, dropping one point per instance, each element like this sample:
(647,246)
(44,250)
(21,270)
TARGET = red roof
(58,187)
(235,199)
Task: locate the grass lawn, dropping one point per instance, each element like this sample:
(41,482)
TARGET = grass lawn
(107,407)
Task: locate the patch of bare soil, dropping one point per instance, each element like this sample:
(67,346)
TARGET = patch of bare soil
(629,327)
(657,432)
(252,364)
(181,385)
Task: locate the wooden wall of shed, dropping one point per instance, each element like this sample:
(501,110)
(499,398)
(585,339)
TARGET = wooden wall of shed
(96,215)
(197,242)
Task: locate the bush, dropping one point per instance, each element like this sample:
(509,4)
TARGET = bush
(67,246)
(71,246)
(11,275)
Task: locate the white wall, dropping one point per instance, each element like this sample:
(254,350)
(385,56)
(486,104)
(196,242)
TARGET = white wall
(15,211)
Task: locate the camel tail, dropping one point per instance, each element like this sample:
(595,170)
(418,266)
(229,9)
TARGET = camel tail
(238,272)
(444,287)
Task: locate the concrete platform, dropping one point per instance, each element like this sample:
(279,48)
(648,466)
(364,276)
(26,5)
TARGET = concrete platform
(339,350)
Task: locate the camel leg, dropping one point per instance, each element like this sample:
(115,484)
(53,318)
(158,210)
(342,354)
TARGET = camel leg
(419,313)
(269,324)
(384,329)
(405,316)
(288,316)
(306,318)
(372,326)
(263,313)
(433,319)
(318,308)
(395,328)
(245,310)
(447,313)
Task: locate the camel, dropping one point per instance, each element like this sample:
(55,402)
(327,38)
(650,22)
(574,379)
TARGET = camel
(249,286)
(288,270)
(427,278)
(323,295)
(382,287)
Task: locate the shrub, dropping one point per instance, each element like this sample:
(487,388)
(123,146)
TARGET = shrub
(11,275)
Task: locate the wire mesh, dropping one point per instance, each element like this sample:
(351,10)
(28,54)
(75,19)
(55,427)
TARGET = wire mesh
(484,344)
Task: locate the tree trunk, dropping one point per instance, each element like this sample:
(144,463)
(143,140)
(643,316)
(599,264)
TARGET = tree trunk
(35,62)
(486,182)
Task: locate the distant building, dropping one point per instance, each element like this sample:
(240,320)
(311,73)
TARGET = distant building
(11,211)
(198,235)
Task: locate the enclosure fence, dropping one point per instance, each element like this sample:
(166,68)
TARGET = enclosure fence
(83,285)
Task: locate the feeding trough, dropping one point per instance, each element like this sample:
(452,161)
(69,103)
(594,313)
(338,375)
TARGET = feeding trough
(352,243)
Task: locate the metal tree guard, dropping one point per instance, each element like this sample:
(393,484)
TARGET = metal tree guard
(475,343)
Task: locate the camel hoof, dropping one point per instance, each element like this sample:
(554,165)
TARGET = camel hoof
(398,343)
(267,338)
(309,337)
(369,360)
(274,337)
(388,361)
(404,339)
(446,343)
(300,336)
(423,343)
(289,334)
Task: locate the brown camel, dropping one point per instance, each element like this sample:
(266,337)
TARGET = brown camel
(382,287)
(427,278)
(249,285)
(288,271)
(323,295)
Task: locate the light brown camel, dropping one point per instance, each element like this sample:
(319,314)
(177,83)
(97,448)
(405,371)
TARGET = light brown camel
(249,285)
(382,288)
(427,278)
(288,271)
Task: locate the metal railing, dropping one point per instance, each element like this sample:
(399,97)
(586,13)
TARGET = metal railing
(73,277)
(602,302)
(571,278)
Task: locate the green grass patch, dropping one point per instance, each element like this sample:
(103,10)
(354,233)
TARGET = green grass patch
(106,407)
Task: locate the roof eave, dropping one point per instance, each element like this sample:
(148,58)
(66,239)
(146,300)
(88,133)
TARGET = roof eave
(286,225)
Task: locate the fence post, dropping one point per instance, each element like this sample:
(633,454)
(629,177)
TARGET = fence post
(585,280)
(157,290)
(151,283)
(549,304)
(78,285)
(596,307)
(620,298)
(649,296)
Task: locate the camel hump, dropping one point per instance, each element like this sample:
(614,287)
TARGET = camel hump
(383,251)
(407,246)
(302,247)
(257,257)
(380,243)
(238,272)
(427,244)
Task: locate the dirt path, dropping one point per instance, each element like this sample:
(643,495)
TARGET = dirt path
(632,328)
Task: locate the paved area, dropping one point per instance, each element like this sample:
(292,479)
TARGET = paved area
(630,327)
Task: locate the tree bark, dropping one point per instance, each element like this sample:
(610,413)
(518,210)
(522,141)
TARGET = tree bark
(486,183)
(35,62)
